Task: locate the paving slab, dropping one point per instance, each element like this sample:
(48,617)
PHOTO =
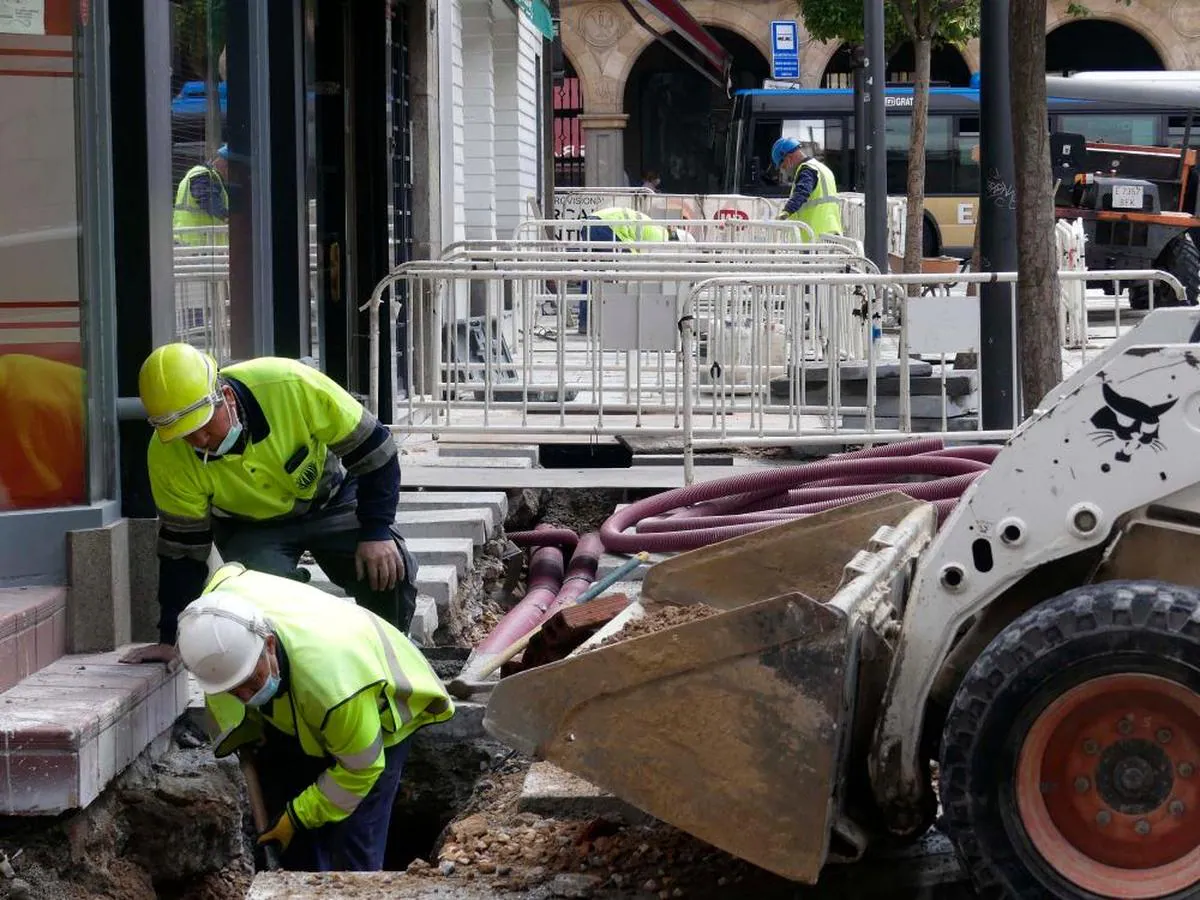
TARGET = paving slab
(408,463)
(440,583)
(472,522)
(497,501)
(551,792)
(633,478)
(610,562)
(488,451)
(424,622)
(33,630)
(343,885)
(457,552)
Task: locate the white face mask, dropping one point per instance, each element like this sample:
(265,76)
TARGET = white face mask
(235,432)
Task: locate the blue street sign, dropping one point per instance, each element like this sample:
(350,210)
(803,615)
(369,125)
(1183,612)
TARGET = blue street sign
(785,49)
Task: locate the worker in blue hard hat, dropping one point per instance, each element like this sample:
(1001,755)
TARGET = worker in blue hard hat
(202,203)
(814,197)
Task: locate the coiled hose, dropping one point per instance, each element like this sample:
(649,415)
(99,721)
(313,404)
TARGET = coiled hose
(703,514)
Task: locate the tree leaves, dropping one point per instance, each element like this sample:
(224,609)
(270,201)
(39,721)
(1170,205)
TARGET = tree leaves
(943,21)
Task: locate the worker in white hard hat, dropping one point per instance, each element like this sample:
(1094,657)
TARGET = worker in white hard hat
(267,459)
(328,701)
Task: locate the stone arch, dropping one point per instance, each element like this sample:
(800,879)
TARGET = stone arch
(1141,18)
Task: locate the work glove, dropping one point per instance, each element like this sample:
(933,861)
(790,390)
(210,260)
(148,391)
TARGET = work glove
(281,833)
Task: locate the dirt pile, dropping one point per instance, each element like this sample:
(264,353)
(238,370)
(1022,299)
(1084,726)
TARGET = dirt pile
(166,828)
(661,620)
(496,846)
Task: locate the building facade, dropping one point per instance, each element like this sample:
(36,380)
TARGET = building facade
(631,88)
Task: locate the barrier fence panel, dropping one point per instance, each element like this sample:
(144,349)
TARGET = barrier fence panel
(729,230)
(785,352)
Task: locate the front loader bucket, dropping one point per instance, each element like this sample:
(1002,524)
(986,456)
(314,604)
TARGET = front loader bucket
(734,728)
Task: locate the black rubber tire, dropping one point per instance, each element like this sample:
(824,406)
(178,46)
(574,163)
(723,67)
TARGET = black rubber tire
(1182,259)
(930,246)
(1102,629)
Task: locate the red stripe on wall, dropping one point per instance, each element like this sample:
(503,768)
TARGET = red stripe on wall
(60,17)
(38,304)
(29,73)
(56,54)
(35,326)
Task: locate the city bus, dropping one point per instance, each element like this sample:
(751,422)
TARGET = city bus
(825,116)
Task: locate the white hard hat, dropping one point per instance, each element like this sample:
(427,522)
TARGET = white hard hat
(221,637)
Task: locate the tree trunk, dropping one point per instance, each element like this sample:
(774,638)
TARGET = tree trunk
(1039,357)
(914,226)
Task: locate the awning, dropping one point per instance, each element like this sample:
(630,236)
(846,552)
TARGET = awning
(693,32)
(539,14)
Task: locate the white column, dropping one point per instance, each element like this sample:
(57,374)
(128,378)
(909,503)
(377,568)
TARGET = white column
(479,117)
(517,84)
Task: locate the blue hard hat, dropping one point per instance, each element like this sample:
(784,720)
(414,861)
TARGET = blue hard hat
(782,148)
(223,151)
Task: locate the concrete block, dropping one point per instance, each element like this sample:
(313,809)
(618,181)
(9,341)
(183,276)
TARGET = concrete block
(457,552)
(473,522)
(468,462)
(98,597)
(440,583)
(610,562)
(73,726)
(33,631)
(551,792)
(143,579)
(497,501)
(465,725)
(424,621)
(489,451)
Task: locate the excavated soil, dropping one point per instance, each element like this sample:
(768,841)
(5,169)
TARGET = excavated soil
(661,620)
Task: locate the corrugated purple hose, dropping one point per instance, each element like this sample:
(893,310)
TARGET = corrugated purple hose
(702,514)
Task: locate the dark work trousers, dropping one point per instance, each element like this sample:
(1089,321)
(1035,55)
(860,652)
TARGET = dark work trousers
(331,536)
(355,844)
(593,234)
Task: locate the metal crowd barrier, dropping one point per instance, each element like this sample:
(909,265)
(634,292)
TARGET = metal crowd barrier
(729,230)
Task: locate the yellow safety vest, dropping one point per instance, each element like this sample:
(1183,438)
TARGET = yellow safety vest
(292,470)
(190,214)
(629,232)
(822,212)
(355,687)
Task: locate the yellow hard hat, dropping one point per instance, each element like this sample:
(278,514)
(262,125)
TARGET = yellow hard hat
(178,387)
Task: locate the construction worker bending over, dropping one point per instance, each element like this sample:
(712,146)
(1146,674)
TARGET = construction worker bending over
(616,224)
(269,458)
(328,696)
(814,197)
(202,203)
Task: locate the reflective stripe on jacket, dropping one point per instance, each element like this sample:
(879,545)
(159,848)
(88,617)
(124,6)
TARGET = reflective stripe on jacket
(293,469)
(190,214)
(822,212)
(355,686)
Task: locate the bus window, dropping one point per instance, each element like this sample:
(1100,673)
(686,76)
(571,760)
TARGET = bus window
(758,175)
(939,155)
(1177,128)
(966,156)
(1116,128)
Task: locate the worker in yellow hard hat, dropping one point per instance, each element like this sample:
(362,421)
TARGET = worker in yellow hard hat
(42,454)
(269,458)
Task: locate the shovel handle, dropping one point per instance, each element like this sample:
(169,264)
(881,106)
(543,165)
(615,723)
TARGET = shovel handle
(258,807)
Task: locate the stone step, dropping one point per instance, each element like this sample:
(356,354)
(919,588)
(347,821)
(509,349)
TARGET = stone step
(487,451)
(425,621)
(73,726)
(472,522)
(440,583)
(466,462)
(457,552)
(33,631)
(496,501)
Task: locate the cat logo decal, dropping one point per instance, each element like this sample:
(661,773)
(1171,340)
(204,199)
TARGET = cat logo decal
(1129,422)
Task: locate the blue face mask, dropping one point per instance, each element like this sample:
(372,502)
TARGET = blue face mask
(264,694)
(231,438)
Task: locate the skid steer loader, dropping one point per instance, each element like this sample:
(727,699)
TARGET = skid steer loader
(1040,653)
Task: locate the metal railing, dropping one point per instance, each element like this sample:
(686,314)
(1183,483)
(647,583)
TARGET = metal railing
(727,230)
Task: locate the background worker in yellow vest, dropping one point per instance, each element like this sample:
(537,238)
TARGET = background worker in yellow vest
(814,197)
(328,699)
(269,458)
(616,224)
(202,201)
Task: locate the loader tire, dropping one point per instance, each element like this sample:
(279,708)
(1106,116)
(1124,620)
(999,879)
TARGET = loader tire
(1070,763)
(1181,259)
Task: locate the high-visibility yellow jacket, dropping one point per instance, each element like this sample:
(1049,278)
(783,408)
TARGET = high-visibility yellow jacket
(821,212)
(190,214)
(632,232)
(42,451)
(353,687)
(303,435)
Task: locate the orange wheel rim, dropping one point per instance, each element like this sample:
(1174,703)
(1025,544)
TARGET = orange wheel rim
(1108,786)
